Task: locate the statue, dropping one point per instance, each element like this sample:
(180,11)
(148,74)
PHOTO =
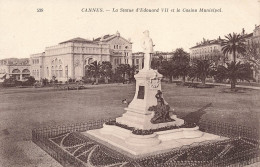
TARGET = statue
(147,45)
(161,110)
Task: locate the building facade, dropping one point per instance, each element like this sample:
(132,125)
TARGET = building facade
(13,67)
(69,59)
(209,49)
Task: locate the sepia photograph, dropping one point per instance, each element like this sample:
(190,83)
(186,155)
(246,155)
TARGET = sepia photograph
(124,83)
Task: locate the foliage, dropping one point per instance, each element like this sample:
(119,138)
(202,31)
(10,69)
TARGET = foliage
(201,69)
(217,57)
(234,43)
(233,72)
(180,63)
(45,81)
(167,69)
(94,70)
(29,81)
(106,70)
(124,70)
(157,62)
(252,55)
(11,82)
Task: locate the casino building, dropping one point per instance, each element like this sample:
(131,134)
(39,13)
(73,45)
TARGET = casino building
(13,67)
(69,59)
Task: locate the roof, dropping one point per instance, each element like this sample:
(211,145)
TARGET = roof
(105,37)
(109,37)
(78,39)
(248,35)
(212,42)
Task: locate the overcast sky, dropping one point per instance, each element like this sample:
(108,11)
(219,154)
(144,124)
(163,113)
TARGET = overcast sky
(23,31)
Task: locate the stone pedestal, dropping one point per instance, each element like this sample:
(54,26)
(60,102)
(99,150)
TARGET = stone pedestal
(148,82)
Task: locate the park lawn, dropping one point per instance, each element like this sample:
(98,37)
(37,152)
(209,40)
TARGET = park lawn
(24,109)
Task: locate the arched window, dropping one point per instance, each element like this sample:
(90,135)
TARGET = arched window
(25,71)
(56,71)
(16,71)
(66,71)
(52,71)
(90,60)
(60,71)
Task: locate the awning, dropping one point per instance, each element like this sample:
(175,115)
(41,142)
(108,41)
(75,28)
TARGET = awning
(2,75)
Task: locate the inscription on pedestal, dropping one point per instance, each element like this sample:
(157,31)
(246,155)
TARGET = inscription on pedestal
(140,94)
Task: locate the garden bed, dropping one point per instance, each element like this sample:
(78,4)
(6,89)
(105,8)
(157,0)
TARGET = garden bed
(92,152)
(150,131)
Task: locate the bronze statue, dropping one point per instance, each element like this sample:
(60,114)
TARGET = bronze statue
(161,110)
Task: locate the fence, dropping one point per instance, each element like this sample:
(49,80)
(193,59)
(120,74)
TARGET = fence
(41,138)
(228,130)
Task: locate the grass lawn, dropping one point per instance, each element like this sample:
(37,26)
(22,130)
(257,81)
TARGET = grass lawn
(24,109)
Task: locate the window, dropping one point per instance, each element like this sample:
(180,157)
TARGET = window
(37,73)
(60,71)
(47,71)
(137,61)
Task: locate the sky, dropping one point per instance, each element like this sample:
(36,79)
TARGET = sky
(24,31)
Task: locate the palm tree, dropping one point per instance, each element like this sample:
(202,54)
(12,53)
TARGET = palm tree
(201,69)
(233,44)
(124,69)
(234,71)
(106,70)
(95,70)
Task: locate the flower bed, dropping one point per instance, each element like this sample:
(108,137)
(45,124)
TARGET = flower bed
(150,131)
(85,151)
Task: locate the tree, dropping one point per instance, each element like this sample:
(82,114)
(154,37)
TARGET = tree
(157,62)
(124,70)
(234,71)
(201,69)
(29,81)
(234,43)
(106,70)
(180,63)
(252,55)
(217,57)
(132,72)
(94,70)
(167,69)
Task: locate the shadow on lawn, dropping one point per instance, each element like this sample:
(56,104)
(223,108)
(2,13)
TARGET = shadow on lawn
(194,117)
(236,90)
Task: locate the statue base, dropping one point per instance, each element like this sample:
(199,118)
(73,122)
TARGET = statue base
(134,146)
(148,84)
(143,113)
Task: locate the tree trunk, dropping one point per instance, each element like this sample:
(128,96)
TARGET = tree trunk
(106,80)
(183,79)
(96,80)
(203,80)
(234,56)
(170,78)
(233,84)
